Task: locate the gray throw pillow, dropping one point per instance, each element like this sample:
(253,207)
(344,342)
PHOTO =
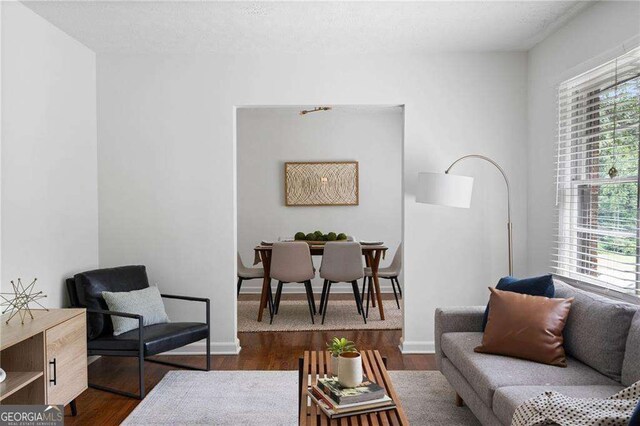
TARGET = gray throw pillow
(146,302)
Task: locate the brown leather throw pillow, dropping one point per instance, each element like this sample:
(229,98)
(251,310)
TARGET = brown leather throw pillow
(527,327)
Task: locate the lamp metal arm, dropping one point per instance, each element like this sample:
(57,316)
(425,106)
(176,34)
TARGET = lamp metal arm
(506,181)
(497,166)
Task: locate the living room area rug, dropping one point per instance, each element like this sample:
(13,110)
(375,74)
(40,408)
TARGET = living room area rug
(293,315)
(270,398)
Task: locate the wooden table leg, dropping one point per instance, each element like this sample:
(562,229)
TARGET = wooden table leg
(266,281)
(375,262)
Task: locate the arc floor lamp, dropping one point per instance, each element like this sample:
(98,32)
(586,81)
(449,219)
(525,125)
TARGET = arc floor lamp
(450,190)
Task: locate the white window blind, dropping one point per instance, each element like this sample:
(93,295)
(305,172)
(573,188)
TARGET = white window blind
(597,238)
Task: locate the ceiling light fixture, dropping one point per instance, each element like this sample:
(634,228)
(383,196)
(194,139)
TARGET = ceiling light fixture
(316,109)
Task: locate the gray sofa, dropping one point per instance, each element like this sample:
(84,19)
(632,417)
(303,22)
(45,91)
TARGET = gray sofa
(602,341)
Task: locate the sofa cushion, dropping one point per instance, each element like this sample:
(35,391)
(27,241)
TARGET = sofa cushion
(486,373)
(631,364)
(483,412)
(91,284)
(508,398)
(596,330)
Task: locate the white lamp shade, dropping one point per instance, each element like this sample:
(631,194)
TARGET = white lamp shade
(444,189)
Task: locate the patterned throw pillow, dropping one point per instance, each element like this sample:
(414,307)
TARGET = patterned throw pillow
(146,302)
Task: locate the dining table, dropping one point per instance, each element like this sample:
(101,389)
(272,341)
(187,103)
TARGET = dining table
(372,256)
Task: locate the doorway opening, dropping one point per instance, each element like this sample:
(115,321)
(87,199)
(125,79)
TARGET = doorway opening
(269,137)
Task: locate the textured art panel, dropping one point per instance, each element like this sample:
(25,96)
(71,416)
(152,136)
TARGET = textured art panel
(321,184)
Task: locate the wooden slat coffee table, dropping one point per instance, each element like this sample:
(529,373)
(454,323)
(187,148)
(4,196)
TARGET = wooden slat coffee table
(315,364)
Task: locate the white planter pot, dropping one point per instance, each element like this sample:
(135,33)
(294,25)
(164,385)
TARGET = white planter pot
(335,365)
(350,369)
(3,375)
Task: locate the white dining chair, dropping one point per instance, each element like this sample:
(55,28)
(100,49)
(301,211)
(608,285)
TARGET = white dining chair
(390,272)
(341,262)
(245,273)
(291,263)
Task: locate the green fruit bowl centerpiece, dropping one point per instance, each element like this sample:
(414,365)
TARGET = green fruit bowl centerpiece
(317,237)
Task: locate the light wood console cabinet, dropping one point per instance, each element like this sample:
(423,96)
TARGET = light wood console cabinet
(45,358)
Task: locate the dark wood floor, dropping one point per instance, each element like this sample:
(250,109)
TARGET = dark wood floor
(260,351)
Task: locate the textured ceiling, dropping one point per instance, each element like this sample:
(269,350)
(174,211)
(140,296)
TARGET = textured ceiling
(306,27)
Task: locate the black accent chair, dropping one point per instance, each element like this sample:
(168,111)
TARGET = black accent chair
(85,291)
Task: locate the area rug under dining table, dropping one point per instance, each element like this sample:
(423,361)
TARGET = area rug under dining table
(293,315)
(270,398)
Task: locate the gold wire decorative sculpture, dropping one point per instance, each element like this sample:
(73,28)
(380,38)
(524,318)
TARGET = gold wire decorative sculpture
(17,303)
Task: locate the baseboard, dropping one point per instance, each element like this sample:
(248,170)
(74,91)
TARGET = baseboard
(417,347)
(199,348)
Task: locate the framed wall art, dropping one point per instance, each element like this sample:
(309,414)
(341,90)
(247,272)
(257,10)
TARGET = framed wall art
(321,183)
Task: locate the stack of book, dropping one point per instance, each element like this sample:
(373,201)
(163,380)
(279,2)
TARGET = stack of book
(337,401)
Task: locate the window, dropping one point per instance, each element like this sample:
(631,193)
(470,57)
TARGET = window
(597,176)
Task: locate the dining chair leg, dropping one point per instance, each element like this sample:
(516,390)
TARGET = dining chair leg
(326,301)
(323,295)
(278,297)
(239,285)
(393,285)
(272,305)
(313,298)
(368,295)
(399,288)
(364,285)
(371,290)
(307,285)
(356,295)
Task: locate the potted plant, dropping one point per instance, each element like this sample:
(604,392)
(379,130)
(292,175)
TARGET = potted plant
(339,346)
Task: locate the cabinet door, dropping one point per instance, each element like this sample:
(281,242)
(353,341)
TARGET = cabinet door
(66,347)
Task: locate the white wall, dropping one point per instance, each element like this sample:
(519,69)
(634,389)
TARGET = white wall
(268,137)
(593,37)
(49,159)
(166,156)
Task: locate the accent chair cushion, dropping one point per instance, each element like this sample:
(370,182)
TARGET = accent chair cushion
(597,329)
(157,338)
(631,363)
(487,373)
(91,284)
(527,327)
(534,286)
(146,302)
